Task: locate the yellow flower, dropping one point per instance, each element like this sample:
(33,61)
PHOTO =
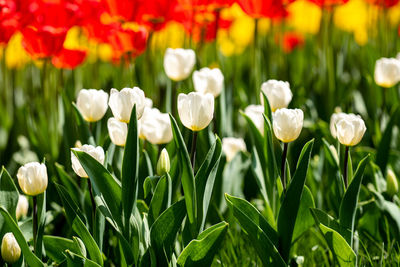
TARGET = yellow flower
(16,56)
(173,36)
(304,16)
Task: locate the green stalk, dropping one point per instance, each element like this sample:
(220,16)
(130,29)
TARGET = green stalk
(34,221)
(193,148)
(346,159)
(283,165)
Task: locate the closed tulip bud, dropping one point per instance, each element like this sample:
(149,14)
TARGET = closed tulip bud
(22,207)
(10,250)
(255,113)
(117,131)
(350,130)
(278,94)
(196,110)
(122,102)
(96,152)
(155,127)
(287,124)
(208,81)
(334,119)
(231,146)
(392,186)
(334,154)
(163,164)
(179,63)
(32,178)
(387,72)
(92,104)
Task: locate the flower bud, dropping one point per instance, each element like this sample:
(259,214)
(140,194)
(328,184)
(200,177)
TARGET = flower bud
(392,186)
(92,104)
(96,152)
(255,113)
(32,178)
(196,110)
(334,154)
(387,72)
(278,94)
(10,250)
(122,102)
(231,146)
(350,130)
(287,124)
(179,63)
(117,131)
(208,81)
(155,127)
(163,164)
(22,207)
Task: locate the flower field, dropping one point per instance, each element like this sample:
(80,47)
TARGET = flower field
(199,133)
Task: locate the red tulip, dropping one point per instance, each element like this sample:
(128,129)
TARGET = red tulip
(263,8)
(384,3)
(125,10)
(68,59)
(328,3)
(43,42)
(9,20)
(128,40)
(292,41)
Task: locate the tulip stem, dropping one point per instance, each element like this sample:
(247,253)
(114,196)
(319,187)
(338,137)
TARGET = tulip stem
(283,165)
(92,198)
(34,224)
(346,159)
(193,152)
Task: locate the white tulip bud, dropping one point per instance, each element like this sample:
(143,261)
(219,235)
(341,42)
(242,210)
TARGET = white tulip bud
(155,127)
(392,185)
(122,102)
(278,94)
(163,164)
(334,119)
(179,63)
(92,104)
(334,154)
(196,110)
(287,124)
(208,81)
(231,146)
(387,72)
(255,113)
(10,250)
(32,178)
(22,207)
(96,152)
(350,130)
(118,131)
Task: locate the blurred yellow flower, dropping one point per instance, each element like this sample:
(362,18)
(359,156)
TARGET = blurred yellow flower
(394,15)
(16,56)
(304,16)
(173,36)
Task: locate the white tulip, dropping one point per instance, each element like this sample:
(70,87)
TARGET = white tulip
(196,110)
(96,152)
(148,103)
(350,130)
(287,124)
(32,178)
(208,81)
(10,250)
(231,146)
(155,127)
(92,104)
(334,119)
(122,102)
(118,131)
(163,164)
(255,113)
(387,72)
(278,94)
(179,63)
(22,207)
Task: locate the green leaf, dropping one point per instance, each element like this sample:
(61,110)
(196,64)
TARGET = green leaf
(55,246)
(161,198)
(130,169)
(257,138)
(321,216)
(75,260)
(291,202)
(30,258)
(164,229)
(201,251)
(304,218)
(70,184)
(41,206)
(8,194)
(82,125)
(271,172)
(332,158)
(187,176)
(267,107)
(348,206)
(263,237)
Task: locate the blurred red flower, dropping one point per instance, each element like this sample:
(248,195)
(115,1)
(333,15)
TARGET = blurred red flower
(9,20)
(291,41)
(384,3)
(328,3)
(69,59)
(128,40)
(263,8)
(43,42)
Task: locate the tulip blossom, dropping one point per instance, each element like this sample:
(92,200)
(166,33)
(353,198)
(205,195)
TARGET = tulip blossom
(10,250)
(122,102)
(255,113)
(196,110)
(96,152)
(278,94)
(392,185)
(208,81)
(32,178)
(69,59)
(287,124)
(179,63)
(263,8)
(92,104)
(335,117)
(118,131)
(22,207)
(231,146)
(163,164)
(350,129)
(387,72)
(155,126)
